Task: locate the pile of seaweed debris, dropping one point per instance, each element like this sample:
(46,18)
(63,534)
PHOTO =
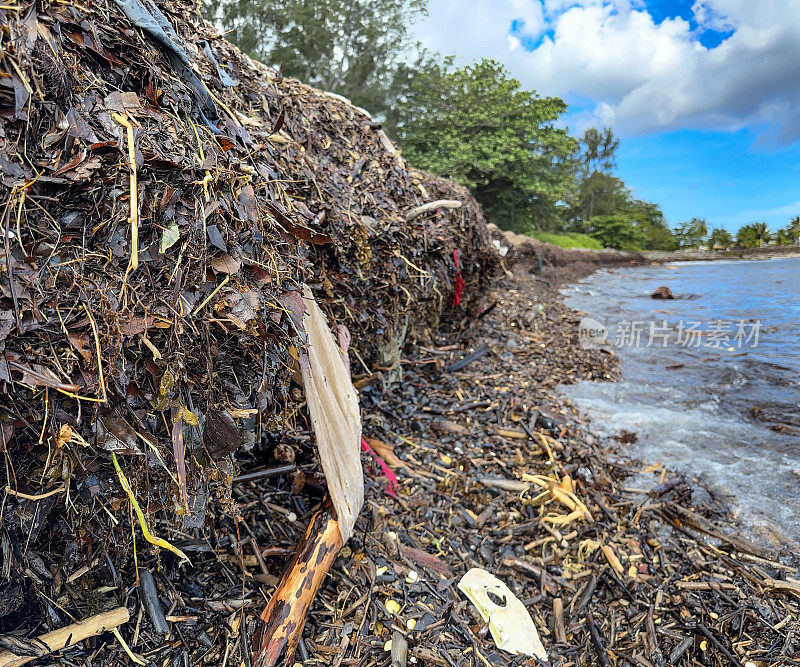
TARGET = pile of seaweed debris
(162,194)
(619,562)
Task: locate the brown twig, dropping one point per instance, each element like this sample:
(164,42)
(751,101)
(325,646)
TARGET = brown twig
(71,635)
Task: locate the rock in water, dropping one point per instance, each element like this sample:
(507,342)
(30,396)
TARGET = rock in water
(662,292)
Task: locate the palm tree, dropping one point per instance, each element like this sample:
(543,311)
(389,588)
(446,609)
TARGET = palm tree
(762,233)
(793,230)
(754,235)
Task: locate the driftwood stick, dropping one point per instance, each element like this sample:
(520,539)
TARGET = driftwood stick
(432,206)
(558,620)
(285,615)
(71,635)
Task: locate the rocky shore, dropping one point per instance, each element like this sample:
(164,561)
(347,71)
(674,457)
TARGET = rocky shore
(620,571)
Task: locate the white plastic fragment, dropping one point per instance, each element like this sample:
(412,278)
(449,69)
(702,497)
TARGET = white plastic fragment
(510,623)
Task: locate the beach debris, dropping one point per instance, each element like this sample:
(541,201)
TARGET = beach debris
(399,650)
(68,636)
(662,292)
(152,604)
(186,368)
(386,470)
(161,193)
(333,408)
(510,623)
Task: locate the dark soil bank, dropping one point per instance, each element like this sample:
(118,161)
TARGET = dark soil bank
(558,265)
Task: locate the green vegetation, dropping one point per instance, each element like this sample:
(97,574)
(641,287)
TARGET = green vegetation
(568,240)
(474,124)
(477,126)
(754,235)
(359,49)
(691,234)
(720,238)
(792,231)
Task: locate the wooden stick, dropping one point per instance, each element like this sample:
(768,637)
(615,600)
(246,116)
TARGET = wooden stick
(285,615)
(432,206)
(134,190)
(558,620)
(71,635)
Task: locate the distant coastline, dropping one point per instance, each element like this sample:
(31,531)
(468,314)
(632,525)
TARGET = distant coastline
(696,254)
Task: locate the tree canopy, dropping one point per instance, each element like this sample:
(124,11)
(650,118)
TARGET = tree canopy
(754,235)
(476,125)
(691,234)
(720,237)
(359,49)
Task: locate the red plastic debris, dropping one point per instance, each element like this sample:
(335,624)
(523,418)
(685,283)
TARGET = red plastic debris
(460,284)
(391,479)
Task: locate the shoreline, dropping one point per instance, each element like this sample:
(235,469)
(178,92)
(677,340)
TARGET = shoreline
(733,254)
(494,471)
(656,404)
(653,575)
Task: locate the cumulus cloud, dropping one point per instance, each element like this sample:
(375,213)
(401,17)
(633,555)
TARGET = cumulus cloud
(641,75)
(473,29)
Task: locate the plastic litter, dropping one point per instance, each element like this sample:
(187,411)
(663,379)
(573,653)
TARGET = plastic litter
(510,623)
(147,16)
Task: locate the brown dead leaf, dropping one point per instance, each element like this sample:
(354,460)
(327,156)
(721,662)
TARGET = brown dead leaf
(6,433)
(226,264)
(81,344)
(426,560)
(386,452)
(136,325)
(122,102)
(114,434)
(37,375)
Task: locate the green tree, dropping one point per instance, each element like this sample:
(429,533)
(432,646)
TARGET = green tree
(720,237)
(754,235)
(652,229)
(691,234)
(618,230)
(359,48)
(793,230)
(638,225)
(599,150)
(598,191)
(477,125)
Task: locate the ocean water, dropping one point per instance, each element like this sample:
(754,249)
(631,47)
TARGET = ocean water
(710,380)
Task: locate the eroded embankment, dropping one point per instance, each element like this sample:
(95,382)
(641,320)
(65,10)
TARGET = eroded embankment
(553,264)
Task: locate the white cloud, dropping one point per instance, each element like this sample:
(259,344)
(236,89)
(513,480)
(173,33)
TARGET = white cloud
(473,29)
(641,76)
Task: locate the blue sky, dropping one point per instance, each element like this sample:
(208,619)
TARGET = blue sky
(704,93)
